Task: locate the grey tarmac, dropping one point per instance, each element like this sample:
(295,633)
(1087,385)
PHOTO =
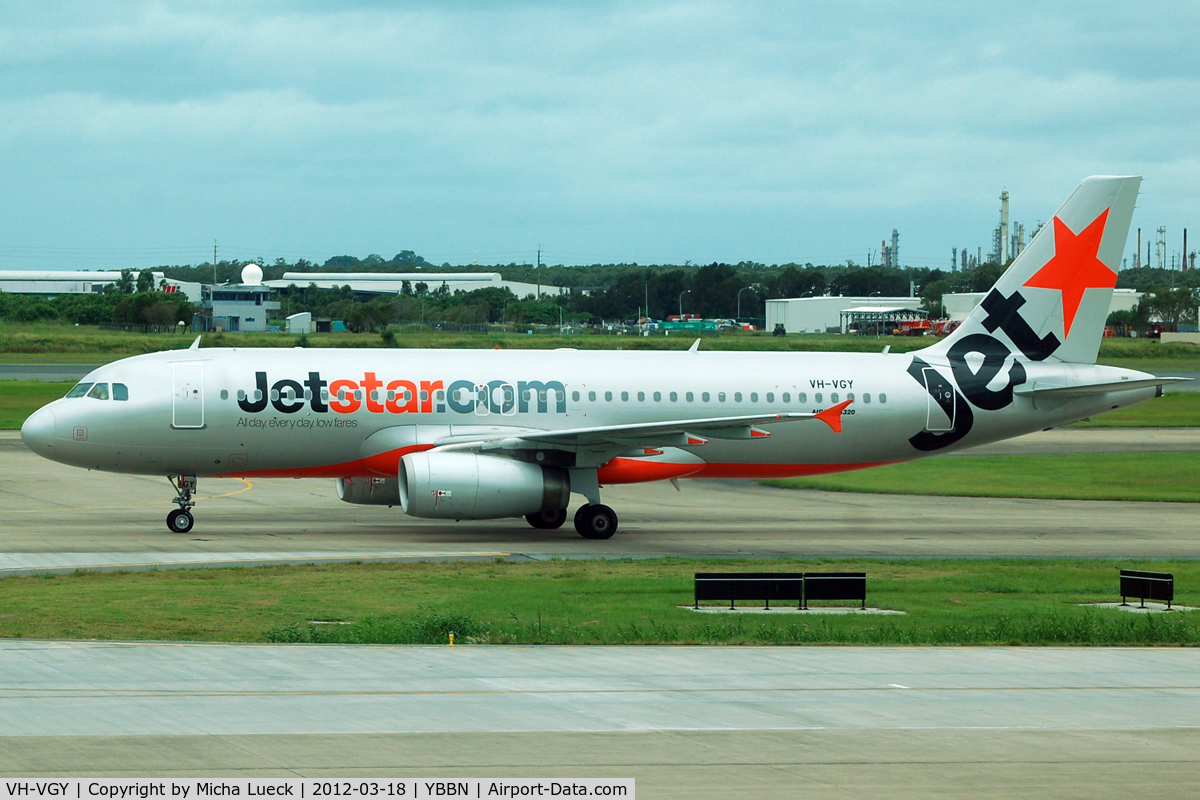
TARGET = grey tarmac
(683,721)
(57,517)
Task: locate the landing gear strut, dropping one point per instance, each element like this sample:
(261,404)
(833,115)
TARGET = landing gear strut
(181,520)
(596,521)
(547,519)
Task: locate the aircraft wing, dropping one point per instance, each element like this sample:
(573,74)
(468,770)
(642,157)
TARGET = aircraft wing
(671,433)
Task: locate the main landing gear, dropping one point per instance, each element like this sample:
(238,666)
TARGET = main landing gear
(181,520)
(596,521)
(547,518)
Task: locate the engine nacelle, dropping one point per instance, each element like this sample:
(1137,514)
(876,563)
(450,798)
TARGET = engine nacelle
(472,486)
(369,491)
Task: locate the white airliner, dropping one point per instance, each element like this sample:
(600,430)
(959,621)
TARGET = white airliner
(484,434)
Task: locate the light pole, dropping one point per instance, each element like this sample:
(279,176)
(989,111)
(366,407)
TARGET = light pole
(681,294)
(739,303)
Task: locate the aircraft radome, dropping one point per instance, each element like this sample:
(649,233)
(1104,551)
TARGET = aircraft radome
(484,434)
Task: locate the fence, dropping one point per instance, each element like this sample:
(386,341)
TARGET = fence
(767,586)
(134,327)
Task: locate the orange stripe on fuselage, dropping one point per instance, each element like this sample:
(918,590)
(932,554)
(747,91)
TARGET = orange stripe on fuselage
(754,471)
(635,470)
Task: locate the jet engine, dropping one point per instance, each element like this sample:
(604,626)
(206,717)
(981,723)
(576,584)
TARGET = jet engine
(472,486)
(369,491)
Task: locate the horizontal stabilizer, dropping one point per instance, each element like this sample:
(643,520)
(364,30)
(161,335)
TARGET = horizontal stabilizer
(1082,390)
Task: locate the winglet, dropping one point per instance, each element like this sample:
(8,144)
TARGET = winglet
(695,346)
(195,344)
(832,416)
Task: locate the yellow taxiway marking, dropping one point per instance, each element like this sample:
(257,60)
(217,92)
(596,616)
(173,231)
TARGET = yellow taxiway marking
(60,509)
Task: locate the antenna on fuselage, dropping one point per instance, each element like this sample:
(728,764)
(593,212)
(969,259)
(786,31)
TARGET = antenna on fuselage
(695,346)
(195,344)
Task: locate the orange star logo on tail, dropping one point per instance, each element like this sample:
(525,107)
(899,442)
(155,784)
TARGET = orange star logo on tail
(1075,267)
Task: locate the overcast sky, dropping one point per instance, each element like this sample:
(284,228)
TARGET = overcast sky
(134,133)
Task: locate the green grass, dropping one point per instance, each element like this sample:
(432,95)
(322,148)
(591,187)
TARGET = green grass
(591,602)
(1108,476)
(19,399)
(1172,410)
(50,342)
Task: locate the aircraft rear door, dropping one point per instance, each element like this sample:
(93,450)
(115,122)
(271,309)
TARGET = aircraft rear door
(939,413)
(187,402)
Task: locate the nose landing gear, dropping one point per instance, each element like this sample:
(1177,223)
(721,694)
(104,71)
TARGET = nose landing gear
(181,520)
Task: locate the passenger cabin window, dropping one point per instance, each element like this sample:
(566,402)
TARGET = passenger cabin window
(882,397)
(689,397)
(575,396)
(737,397)
(658,397)
(592,396)
(80,390)
(118,392)
(721,396)
(849,395)
(121,392)
(754,397)
(770,397)
(674,397)
(99,391)
(608,396)
(866,397)
(704,397)
(787,397)
(625,397)
(833,398)
(802,398)
(817,397)
(641,397)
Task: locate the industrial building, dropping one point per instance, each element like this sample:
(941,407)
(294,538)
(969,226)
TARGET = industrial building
(392,282)
(825,314)
(51,284)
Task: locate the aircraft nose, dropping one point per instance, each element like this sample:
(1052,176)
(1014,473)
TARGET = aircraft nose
(38,431)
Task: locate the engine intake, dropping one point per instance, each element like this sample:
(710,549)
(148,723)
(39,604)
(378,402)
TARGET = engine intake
(473,486)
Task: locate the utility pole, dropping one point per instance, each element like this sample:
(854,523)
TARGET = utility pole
(214,262)
(538,272)
(1137,254)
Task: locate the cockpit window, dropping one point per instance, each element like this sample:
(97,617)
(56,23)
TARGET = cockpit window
(80,390)
(120,391)
(99,391)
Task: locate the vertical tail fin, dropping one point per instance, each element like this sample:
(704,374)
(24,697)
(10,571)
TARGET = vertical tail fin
(1053,300)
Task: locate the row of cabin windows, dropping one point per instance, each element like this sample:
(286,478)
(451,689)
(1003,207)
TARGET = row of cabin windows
(706,397)
(465,394)
(99,391)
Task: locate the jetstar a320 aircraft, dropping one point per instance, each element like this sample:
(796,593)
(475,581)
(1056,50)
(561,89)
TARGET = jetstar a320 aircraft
(484,434)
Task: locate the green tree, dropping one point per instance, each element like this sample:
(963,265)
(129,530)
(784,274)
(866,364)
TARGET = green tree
(145,281)
(124,284)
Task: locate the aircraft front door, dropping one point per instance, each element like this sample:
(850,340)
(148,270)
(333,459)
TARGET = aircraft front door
(187,403)
(939,413)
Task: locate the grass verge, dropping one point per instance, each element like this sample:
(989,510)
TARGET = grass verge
(1154,477)
(19,399)
(948,602)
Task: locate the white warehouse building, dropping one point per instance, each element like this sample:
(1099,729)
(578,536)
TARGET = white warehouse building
(51,284)
(824,314)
